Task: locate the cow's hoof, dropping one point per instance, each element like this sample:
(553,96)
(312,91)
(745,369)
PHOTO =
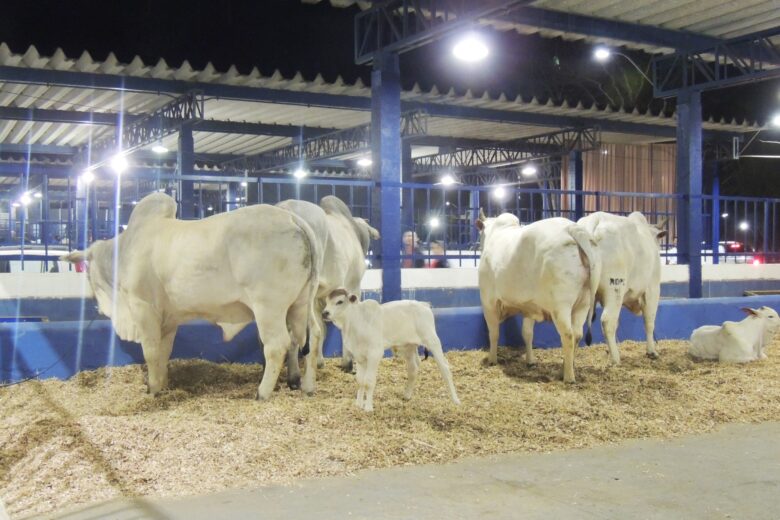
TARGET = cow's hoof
(294,383)
(259,396)
(531,364)
(320,364)
(491,362)
(653,355)
(347,367)
(570,381)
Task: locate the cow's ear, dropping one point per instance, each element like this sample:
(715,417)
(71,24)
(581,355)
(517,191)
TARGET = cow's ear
(749,311)
(661,233)
(479,225)
(352,298)
(482,215)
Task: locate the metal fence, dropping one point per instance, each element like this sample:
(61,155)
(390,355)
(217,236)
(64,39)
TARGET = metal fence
(736,229)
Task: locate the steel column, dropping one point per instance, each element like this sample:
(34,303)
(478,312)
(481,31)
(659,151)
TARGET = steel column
(185,159)
(386,157)
(408,194)
(689,185)
(715,218)
(576,183)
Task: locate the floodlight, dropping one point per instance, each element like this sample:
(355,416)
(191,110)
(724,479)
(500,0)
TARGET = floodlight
(87,176)
(499,193)
(744,226)
(776,120)
(433,222)
(724,215)
(119,164)
(300,173)
(364,162)
(602,54)
(447,180)
(25,199)
(528,170)
(470,49)
(159,148)
(38,195)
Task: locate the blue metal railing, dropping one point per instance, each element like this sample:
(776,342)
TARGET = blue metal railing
(743,229)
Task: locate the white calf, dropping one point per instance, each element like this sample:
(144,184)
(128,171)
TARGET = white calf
(368,329)
(736,341)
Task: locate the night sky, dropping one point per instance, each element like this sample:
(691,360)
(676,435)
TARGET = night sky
(291,36)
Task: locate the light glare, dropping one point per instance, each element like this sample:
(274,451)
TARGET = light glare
(119,164)
(38,195)
(528,170)
(744,226)
(88,176)
(25,199)
(158,148)
(364,162)
(776,120)
(470,49)
(724,215)
(300,173)
(447,180)
(756,261)
(499,193)
(434,222)
(602,54)
(15,205)
(243,184)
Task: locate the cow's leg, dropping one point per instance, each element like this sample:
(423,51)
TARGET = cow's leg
(528,339)
(433,344)
(157,352)
(318,340)
(493,325)
(293,369)
(360,377)
(276,343)
(346,360)
(372,367)
(562,321)
(312,359)
(412,358)
(610,312)
(297,322)
(652,296)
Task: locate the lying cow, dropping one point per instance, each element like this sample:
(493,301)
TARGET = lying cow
(344,240)
(736,341)
(545,270)
(630,271)
(257,263)
(368,329)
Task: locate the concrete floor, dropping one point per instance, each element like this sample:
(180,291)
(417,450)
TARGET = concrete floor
(734,473)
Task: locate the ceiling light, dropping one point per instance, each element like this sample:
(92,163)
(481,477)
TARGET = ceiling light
(470,49)
(243,184)
(776,120)
(528,170)
(25,199)
(364,162)
(499,193)
(434,222)
(602,54)
(87,176)
(119,164)
(38,195)
(744,226)
(210,208)
(15,205)
(159,148)
(724,215)
(447,180)
(300,173)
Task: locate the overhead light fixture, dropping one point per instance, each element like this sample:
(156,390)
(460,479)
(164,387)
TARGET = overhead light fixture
(447,180)
(15,204)
(25,199)
(119,164)
(134,202)
(38,195)
(210,208)
(528,170)
(602,54)
(471,48)
(364,162)
(499,193)
(299,173)
(87,176)
(243,184)
(776,120)
(744,226)
(724,215)
(433,222)
(159,148)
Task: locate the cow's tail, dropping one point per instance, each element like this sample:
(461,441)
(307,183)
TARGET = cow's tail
(315,261)
(585,243)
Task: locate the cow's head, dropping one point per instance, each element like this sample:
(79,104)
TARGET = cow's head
(365,232)
(768,315)
(486,225)
(336,304)
(657,231)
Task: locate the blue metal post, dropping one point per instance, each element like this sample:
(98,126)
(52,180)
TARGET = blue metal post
(689,185)
(408,194)
(93,213)
(45,220)
(231,196)
(386,156)
(474,211)
(576,183)
(82,213)
(715,239)
(185,158)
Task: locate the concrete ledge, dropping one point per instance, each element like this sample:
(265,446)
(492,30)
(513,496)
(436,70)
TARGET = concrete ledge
(61,349)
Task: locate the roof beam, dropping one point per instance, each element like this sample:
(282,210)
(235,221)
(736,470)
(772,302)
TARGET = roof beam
(36,149)
(608,29)
(749,58)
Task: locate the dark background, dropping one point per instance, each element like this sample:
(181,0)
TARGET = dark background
(318,39)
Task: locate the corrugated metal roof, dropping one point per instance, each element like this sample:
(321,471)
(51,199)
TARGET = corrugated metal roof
(105,101)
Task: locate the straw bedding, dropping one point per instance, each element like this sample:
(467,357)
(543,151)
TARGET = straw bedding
(99,435)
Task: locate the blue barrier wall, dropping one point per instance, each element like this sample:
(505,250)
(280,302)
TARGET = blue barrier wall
(52,349)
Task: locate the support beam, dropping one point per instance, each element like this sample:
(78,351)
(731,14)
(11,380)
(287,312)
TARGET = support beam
(746,59)
(576,183)
(715,214)
(386,156)
(407,195)
(186,166)
(689,186)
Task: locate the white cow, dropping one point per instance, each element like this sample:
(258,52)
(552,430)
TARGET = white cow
(344,240)
(368,329)
(736,341)
(256,263)
(630,271)
(545,270)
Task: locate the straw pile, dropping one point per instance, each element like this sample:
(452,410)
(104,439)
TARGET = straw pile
(99,435)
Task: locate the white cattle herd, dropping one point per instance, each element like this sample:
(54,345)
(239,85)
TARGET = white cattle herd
(291,266)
